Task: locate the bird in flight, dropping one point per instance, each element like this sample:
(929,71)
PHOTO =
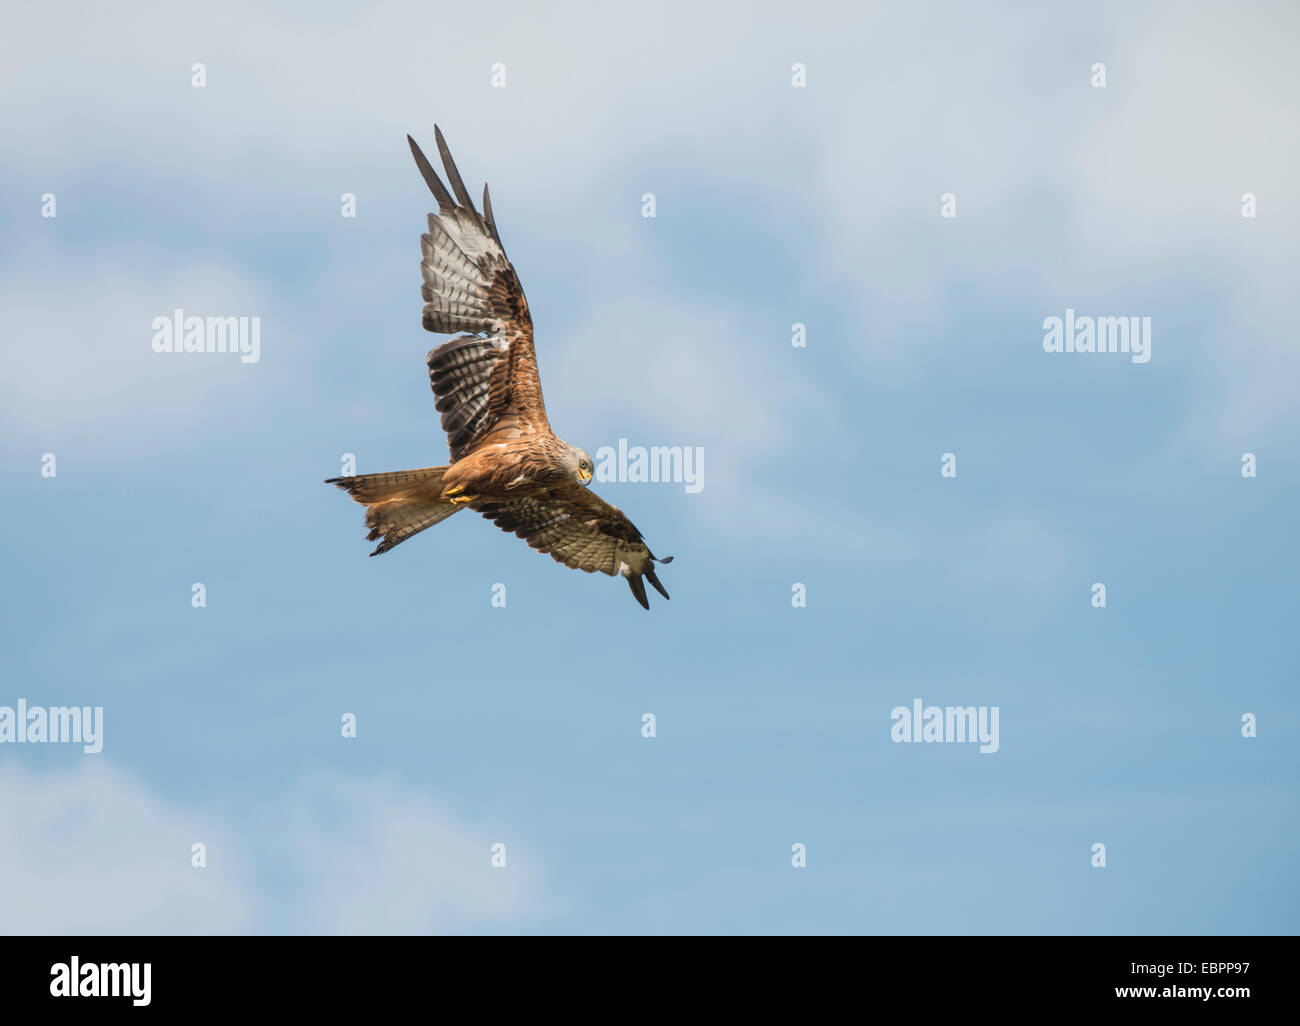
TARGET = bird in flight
(506,462)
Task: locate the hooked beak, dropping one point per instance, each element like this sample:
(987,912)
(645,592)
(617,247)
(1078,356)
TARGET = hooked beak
(584,476)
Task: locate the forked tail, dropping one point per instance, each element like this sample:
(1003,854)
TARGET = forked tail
(398,504)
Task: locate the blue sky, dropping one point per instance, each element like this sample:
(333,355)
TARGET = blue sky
(522,726)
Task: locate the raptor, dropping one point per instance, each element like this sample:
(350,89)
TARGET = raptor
(505,461)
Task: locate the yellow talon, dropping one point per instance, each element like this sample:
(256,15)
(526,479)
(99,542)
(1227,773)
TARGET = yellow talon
(454,491)
(461,499)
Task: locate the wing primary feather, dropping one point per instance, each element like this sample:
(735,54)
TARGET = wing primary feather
(430,176)
(650,576)
(491,220)
(453,176)
(638,589)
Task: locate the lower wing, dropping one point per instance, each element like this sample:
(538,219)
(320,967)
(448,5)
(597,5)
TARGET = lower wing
(578,528)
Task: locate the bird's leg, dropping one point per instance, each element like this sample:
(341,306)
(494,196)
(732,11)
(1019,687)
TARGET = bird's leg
(456,496)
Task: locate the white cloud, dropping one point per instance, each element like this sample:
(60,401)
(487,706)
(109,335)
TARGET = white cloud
(685,373)
(377,857)
(81,357)
(1146,174)
(93,850)
(1134,190)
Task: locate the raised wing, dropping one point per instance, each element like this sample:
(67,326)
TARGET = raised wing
(486,383)
(581,530)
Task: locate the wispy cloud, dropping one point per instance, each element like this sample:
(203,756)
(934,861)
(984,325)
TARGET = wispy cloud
(96,850)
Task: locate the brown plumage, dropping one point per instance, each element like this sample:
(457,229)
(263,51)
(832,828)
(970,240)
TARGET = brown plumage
(506,463)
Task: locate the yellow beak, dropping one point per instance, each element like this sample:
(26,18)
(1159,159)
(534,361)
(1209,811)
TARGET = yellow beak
(584,476)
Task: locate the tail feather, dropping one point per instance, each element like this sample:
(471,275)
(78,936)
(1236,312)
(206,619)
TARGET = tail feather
(399,504)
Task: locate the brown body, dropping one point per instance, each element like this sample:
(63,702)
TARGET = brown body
(506,462)
(502,470)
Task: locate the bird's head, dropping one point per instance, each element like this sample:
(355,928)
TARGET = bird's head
(579,464)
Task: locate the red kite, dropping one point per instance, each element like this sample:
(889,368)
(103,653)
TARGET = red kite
(506,463)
